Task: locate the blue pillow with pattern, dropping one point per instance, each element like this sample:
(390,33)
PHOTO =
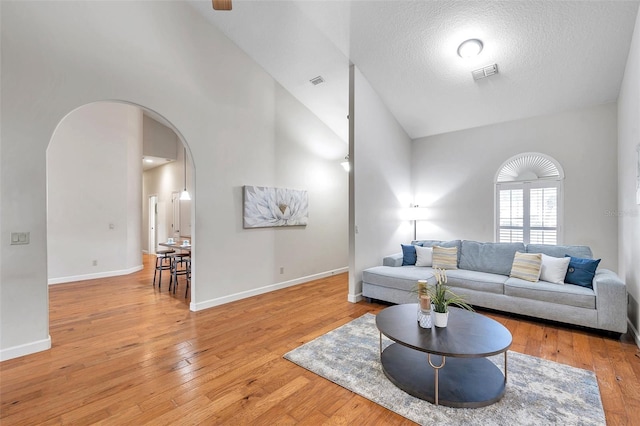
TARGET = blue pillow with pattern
(581,271)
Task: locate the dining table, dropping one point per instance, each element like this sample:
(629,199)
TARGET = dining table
(177,246)
(186,271)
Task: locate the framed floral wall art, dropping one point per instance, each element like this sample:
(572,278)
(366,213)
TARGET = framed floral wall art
(268,207)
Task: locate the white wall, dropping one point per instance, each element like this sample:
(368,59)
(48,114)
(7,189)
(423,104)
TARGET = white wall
(158,140)
(382,188)
(57,56)
(94,181)
(628,170)
(453,176)
(308,156)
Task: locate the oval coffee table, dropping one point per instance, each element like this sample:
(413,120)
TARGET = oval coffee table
(448,365)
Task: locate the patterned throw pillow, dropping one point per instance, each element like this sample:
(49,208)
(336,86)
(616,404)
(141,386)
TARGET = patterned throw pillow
(445,257)
(526,266)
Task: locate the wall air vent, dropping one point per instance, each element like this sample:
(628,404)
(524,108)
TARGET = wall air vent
(317,80)
(485,72)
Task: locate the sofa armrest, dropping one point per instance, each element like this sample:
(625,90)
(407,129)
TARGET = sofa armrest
(393,260)
(611,300)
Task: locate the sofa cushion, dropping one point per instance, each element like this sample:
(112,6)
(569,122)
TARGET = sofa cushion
(402,278)
(581,271)
(473,280)
(560,251)
(570,295)
(445,257)
(526,266)
(495,258)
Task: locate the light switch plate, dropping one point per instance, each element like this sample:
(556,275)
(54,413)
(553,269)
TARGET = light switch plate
(19,238)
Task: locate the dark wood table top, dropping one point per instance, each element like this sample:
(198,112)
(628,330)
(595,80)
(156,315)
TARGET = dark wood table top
(467,335)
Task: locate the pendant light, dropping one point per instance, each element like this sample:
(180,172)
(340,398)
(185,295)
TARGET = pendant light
(345,164)
(184,195)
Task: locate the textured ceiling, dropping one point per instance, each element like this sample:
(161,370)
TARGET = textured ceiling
(552,55)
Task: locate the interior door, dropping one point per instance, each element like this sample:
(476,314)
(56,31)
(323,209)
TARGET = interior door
(153,223)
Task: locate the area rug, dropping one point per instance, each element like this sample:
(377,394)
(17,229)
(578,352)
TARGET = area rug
(539,392)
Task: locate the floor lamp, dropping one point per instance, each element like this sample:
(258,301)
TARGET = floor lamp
(416,213)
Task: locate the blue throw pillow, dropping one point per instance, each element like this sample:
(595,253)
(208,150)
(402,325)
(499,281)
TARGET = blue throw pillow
(581,271)
(409,256)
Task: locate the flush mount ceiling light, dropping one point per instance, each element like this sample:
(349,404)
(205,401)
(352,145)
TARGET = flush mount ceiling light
(470,48)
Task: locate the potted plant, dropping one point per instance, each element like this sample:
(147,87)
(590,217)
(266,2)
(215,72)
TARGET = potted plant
(442,296)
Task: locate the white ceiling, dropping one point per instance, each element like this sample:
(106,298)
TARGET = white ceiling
(552,55)
(150,162)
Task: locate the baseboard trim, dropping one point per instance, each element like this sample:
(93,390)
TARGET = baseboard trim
(354,298)
(634,333)
(106,274)
(26,349)
(266,289)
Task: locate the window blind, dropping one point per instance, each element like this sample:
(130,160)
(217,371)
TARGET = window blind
(528,215)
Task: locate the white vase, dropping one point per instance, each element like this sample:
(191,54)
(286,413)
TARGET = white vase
(440,319)
(424,318)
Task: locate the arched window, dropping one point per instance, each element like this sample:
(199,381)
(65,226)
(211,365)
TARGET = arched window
(529,200)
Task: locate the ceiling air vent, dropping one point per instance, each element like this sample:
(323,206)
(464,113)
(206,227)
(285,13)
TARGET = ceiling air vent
(485,72)
(317,80)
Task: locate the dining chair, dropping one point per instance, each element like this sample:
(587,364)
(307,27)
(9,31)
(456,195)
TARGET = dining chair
(181,265)
(162,256)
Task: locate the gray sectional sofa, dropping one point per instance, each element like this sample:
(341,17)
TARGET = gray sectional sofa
(483,278)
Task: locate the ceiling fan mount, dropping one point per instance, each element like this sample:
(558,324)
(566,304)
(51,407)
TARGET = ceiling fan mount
(221,4)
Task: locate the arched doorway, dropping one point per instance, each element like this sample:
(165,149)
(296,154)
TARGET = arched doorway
(96,202)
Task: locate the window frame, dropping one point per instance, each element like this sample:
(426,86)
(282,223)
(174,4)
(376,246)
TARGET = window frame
(526,184)
(526,187)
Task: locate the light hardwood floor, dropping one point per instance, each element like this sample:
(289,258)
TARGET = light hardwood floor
(125,353)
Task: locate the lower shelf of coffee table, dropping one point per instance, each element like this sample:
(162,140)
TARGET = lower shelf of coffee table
(463,382)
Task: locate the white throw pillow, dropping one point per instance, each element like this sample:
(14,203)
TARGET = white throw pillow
(424,256)
(554,269)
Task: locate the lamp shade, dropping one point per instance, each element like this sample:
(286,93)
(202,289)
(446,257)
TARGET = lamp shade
(416,213)
(346,165)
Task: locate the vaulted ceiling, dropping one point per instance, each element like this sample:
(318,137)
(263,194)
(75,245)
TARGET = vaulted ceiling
(551,55)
